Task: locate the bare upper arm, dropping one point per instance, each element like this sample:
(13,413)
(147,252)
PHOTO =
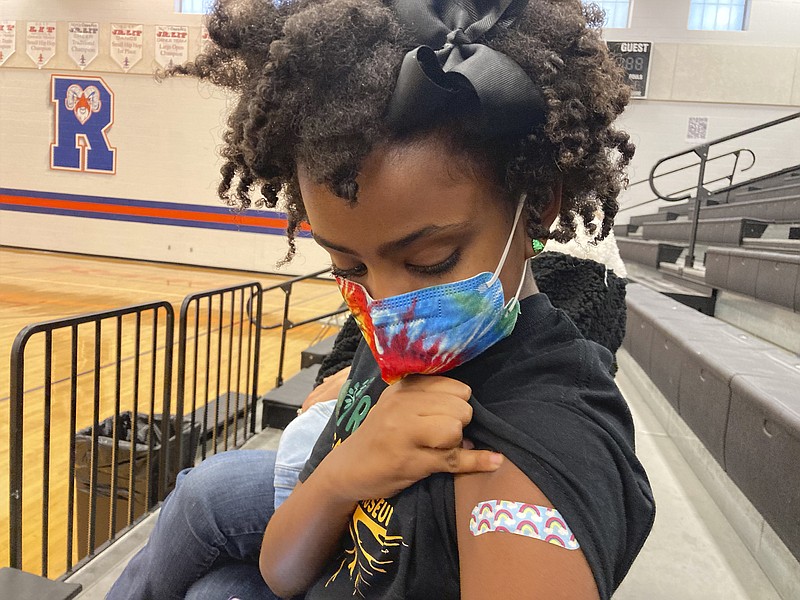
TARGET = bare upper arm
(507,565)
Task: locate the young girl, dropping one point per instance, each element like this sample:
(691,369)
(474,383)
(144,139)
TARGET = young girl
(479,448)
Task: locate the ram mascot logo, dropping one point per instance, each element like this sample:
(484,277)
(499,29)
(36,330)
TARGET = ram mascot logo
(84,112)
(83,102)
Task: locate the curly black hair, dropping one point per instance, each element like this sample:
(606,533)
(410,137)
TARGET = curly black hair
(314,77)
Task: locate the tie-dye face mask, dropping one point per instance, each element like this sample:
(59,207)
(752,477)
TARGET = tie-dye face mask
(437,328)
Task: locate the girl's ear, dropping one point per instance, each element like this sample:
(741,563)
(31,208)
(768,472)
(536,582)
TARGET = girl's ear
(549,214)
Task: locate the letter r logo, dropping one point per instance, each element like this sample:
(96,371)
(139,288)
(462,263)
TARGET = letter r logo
(84,112)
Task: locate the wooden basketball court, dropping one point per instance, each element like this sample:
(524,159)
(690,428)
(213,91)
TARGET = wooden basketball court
(39,286)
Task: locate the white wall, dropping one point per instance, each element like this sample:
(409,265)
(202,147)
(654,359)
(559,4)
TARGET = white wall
(738,79)
(658,129)
(142,11)
(167,134)
(771,23)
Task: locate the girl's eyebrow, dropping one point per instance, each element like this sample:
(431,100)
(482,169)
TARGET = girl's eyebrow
(331,245)
(394,246)
(424,232)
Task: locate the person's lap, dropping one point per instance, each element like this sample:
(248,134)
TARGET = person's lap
(231,579)
(209,530)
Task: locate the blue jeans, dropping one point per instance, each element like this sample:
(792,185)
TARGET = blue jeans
(207,539)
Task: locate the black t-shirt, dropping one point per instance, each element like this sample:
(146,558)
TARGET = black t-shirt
(544,398)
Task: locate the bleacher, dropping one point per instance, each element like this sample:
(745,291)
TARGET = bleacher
(758,213)
(747,243)
(729,377)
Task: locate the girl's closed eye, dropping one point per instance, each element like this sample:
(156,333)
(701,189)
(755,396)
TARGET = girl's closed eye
(358,271)
(439,268)
(435,269)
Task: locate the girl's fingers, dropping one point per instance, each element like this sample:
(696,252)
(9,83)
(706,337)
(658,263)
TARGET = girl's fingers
(446,405)
(436,384)
(439,432)
(460,460)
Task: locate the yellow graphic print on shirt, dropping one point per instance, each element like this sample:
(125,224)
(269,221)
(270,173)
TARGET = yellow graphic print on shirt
(370,544)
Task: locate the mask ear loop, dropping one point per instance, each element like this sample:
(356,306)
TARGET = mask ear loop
(521,280)
(508,244)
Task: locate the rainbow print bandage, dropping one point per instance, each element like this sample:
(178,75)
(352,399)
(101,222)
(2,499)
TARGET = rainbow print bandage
(530,520)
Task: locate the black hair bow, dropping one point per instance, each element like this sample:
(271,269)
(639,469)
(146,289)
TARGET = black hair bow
(451,74)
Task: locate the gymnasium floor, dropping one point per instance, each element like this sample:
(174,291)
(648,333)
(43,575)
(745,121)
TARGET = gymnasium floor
(38,286)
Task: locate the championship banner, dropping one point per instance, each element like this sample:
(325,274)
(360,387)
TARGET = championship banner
(84,112)
(172,45)
(126,45)
(83,43)
(40,40)
(8,39)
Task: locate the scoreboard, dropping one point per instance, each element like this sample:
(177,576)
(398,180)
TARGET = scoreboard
(634,58)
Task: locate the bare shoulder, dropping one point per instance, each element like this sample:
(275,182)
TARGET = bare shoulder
(513,544)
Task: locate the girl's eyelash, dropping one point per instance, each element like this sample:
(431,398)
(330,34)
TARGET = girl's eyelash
(438,269)
(346,273)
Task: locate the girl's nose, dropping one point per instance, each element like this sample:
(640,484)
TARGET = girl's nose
(386,284)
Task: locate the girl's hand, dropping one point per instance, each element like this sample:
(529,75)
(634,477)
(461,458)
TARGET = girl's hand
(414,430)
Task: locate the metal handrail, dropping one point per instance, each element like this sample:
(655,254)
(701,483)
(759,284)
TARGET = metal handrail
(729,177)
(284,286)
(286,323)
(702,193)
(671,198)
(242,349)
